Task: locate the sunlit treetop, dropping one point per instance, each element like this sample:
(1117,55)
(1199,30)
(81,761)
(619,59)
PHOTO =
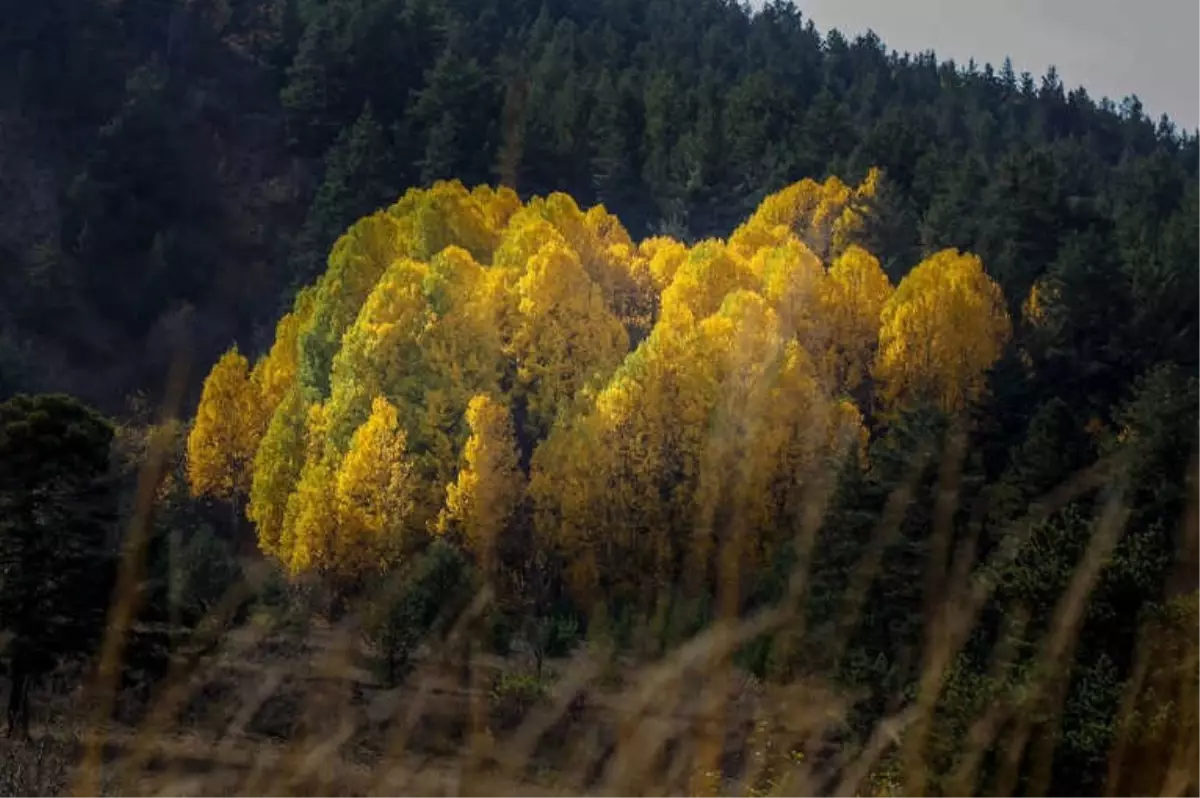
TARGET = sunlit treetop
(941,331)
(825,216)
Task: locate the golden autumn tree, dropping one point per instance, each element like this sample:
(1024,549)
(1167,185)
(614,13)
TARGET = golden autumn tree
(483,501)
(827,217)
(770,435)
(743,351)
(374,495)
(608,255)
(566,335)
(852,301)
(793,281)
(710,273)
(662,256)
(600,482)
(310,513)
(447,214)
(462,356)
(941,331)
(380,353)
(311,522)
(278,372)
(225,433)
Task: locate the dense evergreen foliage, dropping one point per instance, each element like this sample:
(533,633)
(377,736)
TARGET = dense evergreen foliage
(529,380)
(57,505)
(181,166)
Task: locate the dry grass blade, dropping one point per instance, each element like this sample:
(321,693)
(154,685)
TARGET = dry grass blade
(126,594)
(1060,638)
(984,730)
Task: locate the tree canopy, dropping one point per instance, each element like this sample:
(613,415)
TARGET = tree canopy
(454,313)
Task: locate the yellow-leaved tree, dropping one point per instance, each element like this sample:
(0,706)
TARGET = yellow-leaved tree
(380,354)
(710,273)
(278,372)
(565,337)
(482,503)
(310,515)
(226,431)
(374,496)
(827,217)
(793,281)
(852,301)
(941,331)
(662,256)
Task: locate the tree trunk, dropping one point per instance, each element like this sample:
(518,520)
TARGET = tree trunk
(241,543)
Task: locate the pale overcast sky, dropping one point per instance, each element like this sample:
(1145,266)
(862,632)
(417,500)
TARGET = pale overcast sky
(1112,47)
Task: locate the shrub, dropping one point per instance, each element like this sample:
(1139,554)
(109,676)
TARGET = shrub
(415,603)
(513,694)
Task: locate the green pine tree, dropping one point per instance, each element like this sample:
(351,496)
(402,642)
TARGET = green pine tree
(360,177)
(57,507)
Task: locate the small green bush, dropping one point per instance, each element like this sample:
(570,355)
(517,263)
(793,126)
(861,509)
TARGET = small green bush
(513,694)
(413,604)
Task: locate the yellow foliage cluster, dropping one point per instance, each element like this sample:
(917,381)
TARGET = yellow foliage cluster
(482,502)
(676,404)
(940,332)
(226,431)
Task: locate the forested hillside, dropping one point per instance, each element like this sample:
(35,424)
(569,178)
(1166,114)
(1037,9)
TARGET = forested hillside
(630,319)
(178,169)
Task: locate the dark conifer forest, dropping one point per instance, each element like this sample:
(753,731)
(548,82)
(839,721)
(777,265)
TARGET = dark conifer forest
(701,400)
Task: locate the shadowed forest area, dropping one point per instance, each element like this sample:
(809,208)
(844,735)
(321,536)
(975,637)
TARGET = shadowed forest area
(559,397)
